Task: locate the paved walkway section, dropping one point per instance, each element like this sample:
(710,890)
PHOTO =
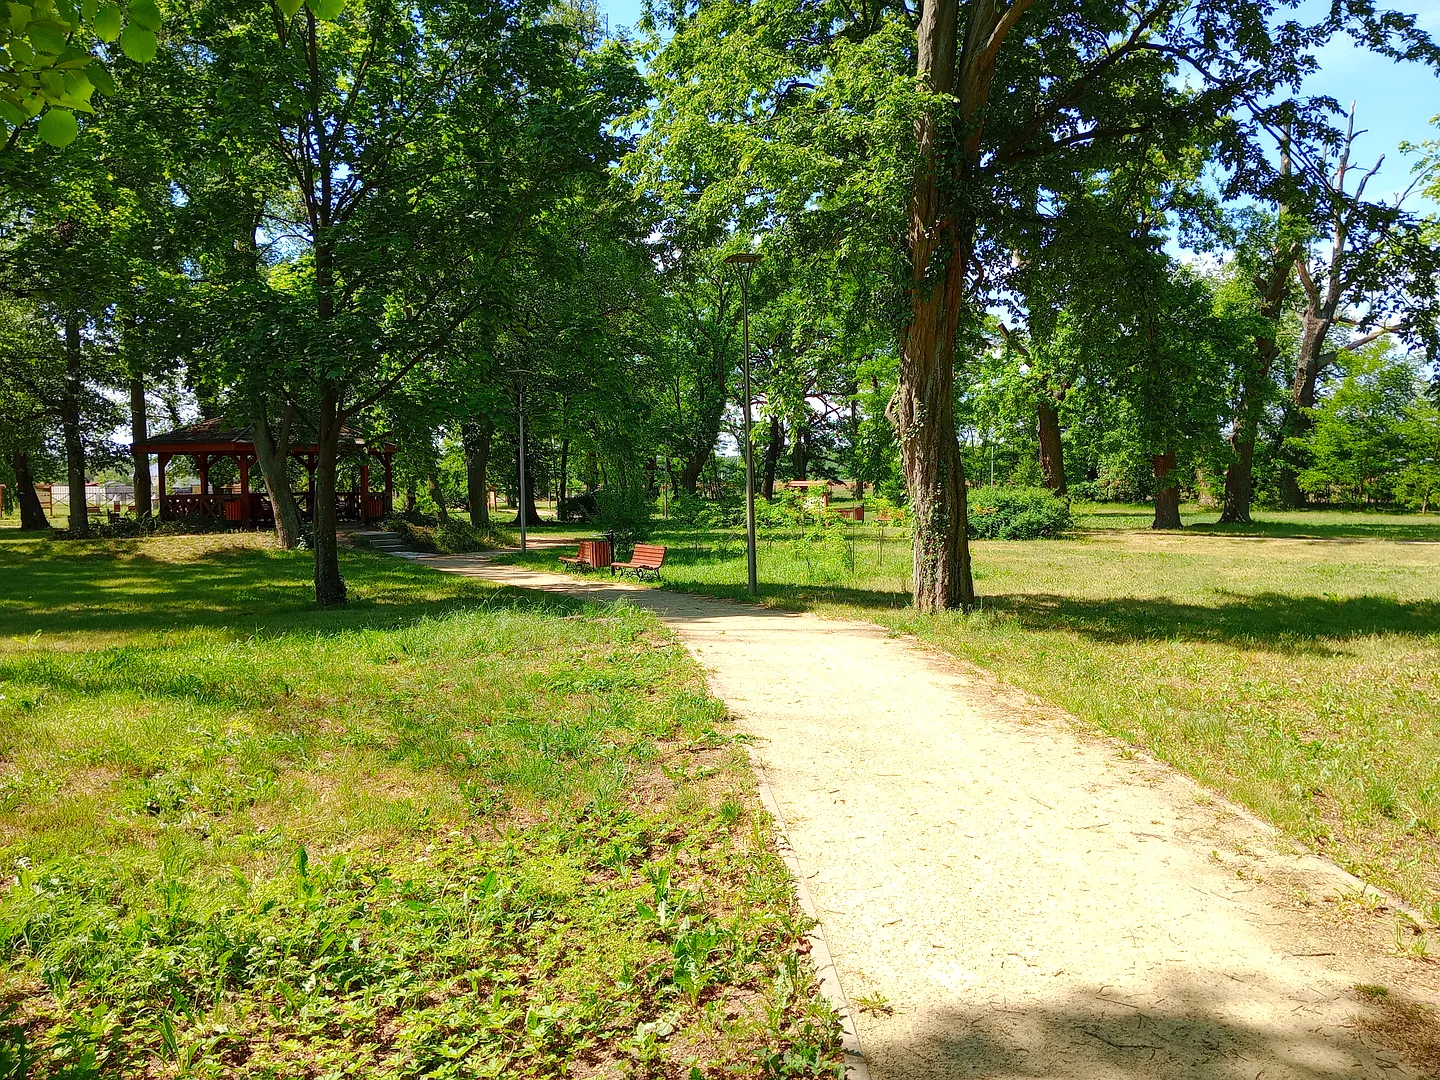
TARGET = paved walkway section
(1006,896)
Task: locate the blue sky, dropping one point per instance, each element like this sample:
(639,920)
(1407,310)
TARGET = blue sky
(1392,101)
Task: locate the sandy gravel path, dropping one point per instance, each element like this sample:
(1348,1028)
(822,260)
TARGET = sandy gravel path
(1031,901)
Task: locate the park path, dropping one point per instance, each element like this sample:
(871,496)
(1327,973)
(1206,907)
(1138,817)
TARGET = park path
(1031,901)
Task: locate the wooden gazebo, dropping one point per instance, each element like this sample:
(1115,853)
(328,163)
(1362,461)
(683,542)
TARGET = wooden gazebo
(210,441)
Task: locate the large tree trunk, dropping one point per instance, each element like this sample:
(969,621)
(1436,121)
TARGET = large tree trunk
(800,450)
(32,514)
(271,453)
(329,585)
(1274,290)
(70,425)
(692,468)
(1312,360)
(772,458)
(564,476)
(942,241)
(1167,492)
(1052,451)
(1239,476)
(437,496)
(139,432)
(476,436)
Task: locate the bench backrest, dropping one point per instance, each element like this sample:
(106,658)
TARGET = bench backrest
(648,555)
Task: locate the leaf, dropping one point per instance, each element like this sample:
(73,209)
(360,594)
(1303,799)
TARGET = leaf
(326,10)
(108,22)
(145,14)
(138,44)
(47,37)
(19,17)
(58,127)
(290,7)
(88,9)
(98,75)
(12,113)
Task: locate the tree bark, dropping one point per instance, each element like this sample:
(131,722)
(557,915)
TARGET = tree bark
(1167,492)
(941,242)
(271,453)
(437,496)
(329,585)
(692,468)
(139,432)
(70,425)
(476,436)
(1052,450)
(800,450)
(1274,290)
(773,450)
(32,514)
(564,476)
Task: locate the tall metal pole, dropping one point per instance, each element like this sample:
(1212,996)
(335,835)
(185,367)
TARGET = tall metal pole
(520,399)
(754,583)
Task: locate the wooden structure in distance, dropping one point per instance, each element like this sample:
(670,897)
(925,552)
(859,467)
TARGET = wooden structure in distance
(210,440)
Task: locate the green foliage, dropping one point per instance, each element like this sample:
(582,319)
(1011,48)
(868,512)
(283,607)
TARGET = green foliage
(453,536)
(1358,446)
(627,513)
(1005,513)
(46,63)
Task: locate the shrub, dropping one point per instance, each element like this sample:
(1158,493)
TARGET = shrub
(128,528)
(998,513)
(452,537)
(625,513)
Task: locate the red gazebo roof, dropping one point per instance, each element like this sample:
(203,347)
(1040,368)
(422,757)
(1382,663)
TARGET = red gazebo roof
(213,437)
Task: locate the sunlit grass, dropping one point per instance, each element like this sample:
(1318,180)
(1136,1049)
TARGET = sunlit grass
(242,836)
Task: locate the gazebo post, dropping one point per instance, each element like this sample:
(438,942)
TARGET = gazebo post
(365,488)
(244,462)
(389,482)
(163,460)
(202,463)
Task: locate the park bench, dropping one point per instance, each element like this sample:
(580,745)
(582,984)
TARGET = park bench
(592,555)
(646,559)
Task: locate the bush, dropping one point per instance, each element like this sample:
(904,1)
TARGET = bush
(998,513)
(452,537)
(129,528)
(625,513)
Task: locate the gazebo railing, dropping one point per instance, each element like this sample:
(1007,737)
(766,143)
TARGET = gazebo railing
(228,505)
(182,506)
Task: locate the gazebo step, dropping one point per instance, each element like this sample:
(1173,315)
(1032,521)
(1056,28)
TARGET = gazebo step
(382,541)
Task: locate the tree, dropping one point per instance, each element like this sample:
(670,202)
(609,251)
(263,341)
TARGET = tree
(419,146)
(1373,273)
(1355,441)
(820,119)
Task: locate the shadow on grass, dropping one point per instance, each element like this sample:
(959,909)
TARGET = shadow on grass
(1270,621)
(1275,621)
(116,586)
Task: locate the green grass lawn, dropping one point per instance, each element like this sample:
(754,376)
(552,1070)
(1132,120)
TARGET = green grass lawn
(1300,677)
(450,830)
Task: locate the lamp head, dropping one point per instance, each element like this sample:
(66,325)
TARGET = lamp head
(742,258)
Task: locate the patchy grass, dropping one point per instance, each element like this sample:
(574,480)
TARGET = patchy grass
(450,830)
(1298,676)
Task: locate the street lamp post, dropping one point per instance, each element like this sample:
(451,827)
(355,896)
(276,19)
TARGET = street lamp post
(744,262)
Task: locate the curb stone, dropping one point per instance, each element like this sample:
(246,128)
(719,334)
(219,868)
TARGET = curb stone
(828,975)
